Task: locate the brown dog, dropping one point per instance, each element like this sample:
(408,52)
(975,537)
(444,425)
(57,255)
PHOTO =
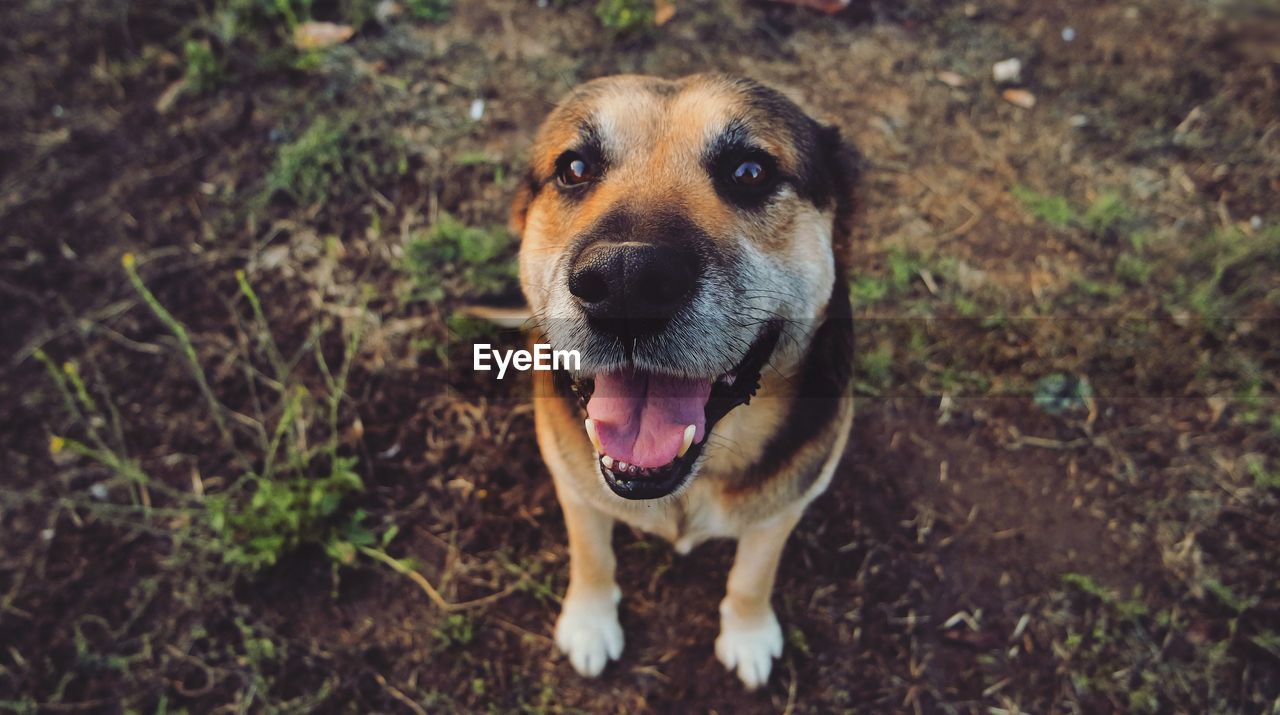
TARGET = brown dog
(687,238)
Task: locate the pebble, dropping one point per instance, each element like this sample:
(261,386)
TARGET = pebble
(477,110)
(1006,71)
(1255,222)
(1019,98)
(1068,34)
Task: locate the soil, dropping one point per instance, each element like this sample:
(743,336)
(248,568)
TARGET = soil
(935,576)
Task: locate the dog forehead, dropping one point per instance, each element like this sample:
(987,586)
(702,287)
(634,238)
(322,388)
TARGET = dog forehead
(635,115)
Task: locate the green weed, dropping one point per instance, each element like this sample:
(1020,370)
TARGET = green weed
(203,70)
(875,368)
(291,487)
(624,16)
(333,157)
(868,290)
(478,259)
(1133,270)
(1106,216)
(456,631)
(430,10)
(1054,210)
(1231,272)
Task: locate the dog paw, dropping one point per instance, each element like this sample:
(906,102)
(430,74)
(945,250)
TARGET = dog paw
(749,647)
(589,633)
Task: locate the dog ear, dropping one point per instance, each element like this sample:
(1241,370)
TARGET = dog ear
(525,192)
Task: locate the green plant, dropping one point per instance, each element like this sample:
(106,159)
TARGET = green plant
(430,10)
(457,630)
(306,167)
(625,15)
(331,157)
(868,290)
(291,486)
(1231,272)
(1106,215)
(875,368)
(1054,210)
(481,259)
(1133,269)
(203,70)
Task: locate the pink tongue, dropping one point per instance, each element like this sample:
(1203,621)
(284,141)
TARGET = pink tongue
(641,417)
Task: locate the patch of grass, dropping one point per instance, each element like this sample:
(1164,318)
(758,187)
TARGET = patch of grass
(1121,649)
(868,290)
(202,69)
(480,260)
(901,266)
(623,16)
(1106,216)
(333,157)
(1054,210)
(874,369)
(1231,273)
(291,485)
(456,631)
(1263,478)
(1133,270)
(429,10)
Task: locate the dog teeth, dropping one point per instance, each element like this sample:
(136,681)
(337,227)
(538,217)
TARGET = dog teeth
(622,466)
(688,440)
(591,433)
(607,461)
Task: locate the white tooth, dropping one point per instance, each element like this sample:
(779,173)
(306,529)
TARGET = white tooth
(622,466)
(607,461)
(591,433)
(688,440)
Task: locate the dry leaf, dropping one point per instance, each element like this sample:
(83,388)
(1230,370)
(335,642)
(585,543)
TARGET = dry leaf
(663,11)
(318,35)
(952,79)
(1019,98)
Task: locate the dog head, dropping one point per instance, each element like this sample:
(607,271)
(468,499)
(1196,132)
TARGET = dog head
(680,235)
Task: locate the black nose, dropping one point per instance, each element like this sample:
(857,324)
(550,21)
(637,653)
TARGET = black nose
(632,289)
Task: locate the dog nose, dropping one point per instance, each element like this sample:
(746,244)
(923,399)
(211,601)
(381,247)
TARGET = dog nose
(632,289)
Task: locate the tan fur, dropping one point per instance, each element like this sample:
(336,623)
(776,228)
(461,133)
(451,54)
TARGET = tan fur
(658,130)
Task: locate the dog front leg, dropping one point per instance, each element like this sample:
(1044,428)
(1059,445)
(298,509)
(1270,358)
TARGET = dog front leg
(750,637)
(588,630)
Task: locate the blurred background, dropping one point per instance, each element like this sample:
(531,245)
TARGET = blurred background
(238,475)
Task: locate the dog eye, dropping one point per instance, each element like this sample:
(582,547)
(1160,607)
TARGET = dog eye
(750,173)
(573,169)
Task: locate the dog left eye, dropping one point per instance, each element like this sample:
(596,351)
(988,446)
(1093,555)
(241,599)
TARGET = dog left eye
(573,169)
(750,174)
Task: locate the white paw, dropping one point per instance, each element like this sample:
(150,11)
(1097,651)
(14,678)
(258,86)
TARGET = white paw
(589,633)
(749,647)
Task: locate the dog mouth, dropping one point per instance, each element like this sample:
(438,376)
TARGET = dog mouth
(649,429)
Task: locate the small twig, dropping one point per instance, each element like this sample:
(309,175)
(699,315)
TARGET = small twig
(430,590)
(791,688)
(396,693)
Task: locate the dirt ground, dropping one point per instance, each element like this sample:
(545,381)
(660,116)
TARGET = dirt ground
(1062,490)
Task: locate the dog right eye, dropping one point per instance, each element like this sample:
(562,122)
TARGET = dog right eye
(573,169)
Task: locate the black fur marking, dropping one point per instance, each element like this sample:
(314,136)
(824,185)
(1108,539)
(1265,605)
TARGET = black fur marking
(731,148)
(813,179)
